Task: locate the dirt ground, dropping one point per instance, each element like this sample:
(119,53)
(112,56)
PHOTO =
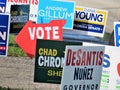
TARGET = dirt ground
(18,72)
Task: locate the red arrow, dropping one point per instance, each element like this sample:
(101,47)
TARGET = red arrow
(26,39)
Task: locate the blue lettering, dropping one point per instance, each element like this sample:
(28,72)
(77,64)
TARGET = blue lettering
(106,61)
(89,16)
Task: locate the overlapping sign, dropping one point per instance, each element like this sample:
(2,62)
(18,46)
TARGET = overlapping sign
(90,21)
(111,67)
(52,9)
(33,7)
(83,68)
(2,6)
(26,39)
(117,33)
(49,60)
(4,34)
(19,17)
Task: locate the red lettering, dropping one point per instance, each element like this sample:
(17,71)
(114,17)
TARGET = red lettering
(25,1)
(20,1)
(73,58)
(97,57)
(69,53)
(36,2)
(100,58)
(33,2)
(79,58)
(83,58)
(89,57)
(93,60)
(15,1)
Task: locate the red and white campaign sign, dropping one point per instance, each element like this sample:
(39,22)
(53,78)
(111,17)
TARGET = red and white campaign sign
(26,39)
(83,68)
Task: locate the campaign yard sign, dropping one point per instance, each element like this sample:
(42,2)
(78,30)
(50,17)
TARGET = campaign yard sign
(117,33)
(19,17)
(111,67)
(4,33)
(2,6)
(90,21)
(52,9)
(83,68)
(49,60)
(26,39)
(32,3)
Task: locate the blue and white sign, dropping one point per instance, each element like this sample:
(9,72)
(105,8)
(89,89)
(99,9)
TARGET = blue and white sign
(50,9)
(90,21)
(117,33)
(2,6)
(4,32)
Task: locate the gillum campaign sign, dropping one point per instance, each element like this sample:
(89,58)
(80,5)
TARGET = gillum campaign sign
(49,60)
(117,33)
(51,9)
(90,21)
(2,6)
(4,31)
(83,68)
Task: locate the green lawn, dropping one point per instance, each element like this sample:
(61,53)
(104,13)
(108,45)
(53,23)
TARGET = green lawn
(15,50)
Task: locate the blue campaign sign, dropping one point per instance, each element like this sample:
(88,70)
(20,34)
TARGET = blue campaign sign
(4,31)
(90,21)
(2,6)
(117,33)
(50,9)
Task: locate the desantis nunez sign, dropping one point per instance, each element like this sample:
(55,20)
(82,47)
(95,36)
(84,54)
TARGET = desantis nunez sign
(4,31)
(90,21)
(83,68)
(51,9)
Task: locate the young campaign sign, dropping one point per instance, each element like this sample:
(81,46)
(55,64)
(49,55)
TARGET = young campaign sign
(4,33)
(117,33)
(111,67)
(26,39)
(2,6)
(90,21)
(51,9)
(83,68)
(49,60)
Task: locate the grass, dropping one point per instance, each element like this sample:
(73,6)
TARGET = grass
(15,50)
